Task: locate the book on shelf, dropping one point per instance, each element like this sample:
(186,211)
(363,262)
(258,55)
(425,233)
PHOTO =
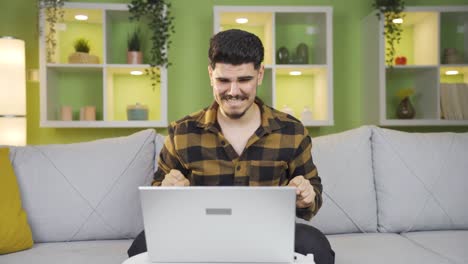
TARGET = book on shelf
(454,101)
(463,92)
(455,91)
(444,105)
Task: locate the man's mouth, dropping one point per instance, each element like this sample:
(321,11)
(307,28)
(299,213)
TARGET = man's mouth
(233,98)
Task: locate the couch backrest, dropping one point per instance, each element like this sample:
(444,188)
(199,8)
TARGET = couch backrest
(421,180)
(85,191)
(344,162)
(88,190)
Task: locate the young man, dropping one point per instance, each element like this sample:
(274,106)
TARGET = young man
(239,140)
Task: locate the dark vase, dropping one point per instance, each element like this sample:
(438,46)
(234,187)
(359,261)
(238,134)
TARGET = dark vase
(282,55)
(405,109)
(302,53)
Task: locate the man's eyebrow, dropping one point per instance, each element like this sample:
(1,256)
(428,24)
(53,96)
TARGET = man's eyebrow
(240,78)
(245,78)
(222,79)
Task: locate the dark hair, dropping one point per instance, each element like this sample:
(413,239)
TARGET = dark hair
(235,46)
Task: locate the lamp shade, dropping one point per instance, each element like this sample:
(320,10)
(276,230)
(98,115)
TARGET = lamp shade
(12,77)
(13,131)
(12,92)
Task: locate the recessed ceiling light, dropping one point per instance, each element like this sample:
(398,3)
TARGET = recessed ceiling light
(295,73)
(453,72)
(241,20)
(136,72)
(398,20)
(81,17)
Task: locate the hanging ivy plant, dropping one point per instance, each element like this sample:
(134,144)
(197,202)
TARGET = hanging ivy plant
(390,10)
(160,22)
(53,11)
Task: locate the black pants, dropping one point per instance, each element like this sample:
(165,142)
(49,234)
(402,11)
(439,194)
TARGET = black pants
(308,240)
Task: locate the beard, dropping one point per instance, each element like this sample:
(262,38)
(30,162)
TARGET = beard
(236,115)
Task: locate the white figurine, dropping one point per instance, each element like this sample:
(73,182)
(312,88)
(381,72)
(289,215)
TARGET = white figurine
(306,114)
(286,109)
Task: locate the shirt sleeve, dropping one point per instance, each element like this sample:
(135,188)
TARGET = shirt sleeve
(168,160)
(302,164)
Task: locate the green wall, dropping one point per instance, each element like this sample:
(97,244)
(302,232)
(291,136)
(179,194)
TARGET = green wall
(189,88)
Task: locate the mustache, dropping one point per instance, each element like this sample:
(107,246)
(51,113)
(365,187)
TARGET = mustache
(236,97)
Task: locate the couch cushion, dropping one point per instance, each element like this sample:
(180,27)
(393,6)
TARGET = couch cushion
(86,190)
(159,143)
(380,248)
(15,233)
(421,180)
(344,163)
(102,252)
(450,244)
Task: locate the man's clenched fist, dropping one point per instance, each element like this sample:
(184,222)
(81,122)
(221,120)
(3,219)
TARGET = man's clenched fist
(305,194)
(175,178)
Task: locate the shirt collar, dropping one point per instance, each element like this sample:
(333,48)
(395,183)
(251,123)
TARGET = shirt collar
(269,123)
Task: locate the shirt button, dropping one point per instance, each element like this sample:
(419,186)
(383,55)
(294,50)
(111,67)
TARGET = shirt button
(238,167)
(223,143)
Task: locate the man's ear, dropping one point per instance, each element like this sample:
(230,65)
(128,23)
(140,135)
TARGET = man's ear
(210,73)
(261,72)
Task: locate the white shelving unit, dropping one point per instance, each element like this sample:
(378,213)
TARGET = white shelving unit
(108,85)
(427,33)
(288,26)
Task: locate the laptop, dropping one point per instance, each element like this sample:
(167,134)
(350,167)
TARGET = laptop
(219,224)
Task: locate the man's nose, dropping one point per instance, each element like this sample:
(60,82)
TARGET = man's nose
(234,89)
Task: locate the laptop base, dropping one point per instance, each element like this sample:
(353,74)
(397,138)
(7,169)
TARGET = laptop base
(143,258)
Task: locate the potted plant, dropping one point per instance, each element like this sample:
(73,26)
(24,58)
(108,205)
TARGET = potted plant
(53,11)
(160,22)
(390,10)
(134,54)
(81,54)
(81,45)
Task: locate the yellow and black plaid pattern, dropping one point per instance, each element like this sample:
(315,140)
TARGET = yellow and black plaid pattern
(279,150)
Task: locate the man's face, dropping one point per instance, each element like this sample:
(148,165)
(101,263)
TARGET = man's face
(235,87)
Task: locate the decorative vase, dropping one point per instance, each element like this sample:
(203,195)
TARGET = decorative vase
(451,56)
(134,57)
(405,109)
(88,113)
(66,113)
(137,112)
(282,55)
(302,53)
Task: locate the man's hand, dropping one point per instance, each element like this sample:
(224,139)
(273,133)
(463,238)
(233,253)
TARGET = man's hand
(175,178)
(305,194)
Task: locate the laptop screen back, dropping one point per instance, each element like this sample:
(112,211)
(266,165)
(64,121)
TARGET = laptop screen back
(219,224)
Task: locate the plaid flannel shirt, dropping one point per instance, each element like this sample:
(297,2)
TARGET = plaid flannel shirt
(279,150)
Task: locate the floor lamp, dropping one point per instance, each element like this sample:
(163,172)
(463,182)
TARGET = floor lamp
(12,92)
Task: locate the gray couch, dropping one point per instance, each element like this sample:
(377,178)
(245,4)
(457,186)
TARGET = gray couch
(390,197)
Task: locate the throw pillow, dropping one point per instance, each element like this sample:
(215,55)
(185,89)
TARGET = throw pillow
(86,190)
(15,233)
(421,180)
(344,162)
